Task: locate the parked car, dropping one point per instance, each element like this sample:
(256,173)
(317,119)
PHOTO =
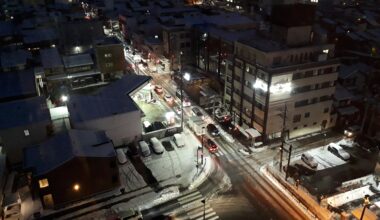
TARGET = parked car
(168,98)
(338,151)
(157,146)
(186,102)
(210,145)
(309,160)
(144,148)
(121,156)
(158,89)
(212,130)
(178,140)
(245,151)
(167,145)
(178,110)
(197,112)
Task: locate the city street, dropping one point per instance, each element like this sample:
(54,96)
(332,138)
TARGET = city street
(250,193)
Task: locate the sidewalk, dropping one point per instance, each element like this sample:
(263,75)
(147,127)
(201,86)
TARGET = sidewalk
(296,193)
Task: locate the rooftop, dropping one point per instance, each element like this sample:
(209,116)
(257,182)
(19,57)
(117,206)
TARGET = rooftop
(14,58)
(24,112)
(50,58)
(77,60)
(66,146)
(16,84)
(110,100)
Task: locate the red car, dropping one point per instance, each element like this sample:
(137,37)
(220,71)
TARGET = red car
(210,145)
(158,89)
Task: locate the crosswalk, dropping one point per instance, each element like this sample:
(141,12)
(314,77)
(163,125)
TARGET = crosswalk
(189,206)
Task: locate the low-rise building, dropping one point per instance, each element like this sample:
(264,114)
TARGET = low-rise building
(23,123)
(111,109)
(72,166)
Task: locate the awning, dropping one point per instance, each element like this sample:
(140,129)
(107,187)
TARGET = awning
(253,132)
(348,110)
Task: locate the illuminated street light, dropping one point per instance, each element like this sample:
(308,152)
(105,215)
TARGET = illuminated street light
(187,76)
(76,187)
(64,98)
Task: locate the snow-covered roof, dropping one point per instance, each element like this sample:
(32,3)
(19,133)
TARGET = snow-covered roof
(23,112)
(125,86)
(51,58)
(66,146)
(77,60)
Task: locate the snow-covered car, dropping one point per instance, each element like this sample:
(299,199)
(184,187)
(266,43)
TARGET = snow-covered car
(157,146)
(178,110)
(178,140)
(309,160)
(244,151)
(144,148)
(338,151)
(121,157)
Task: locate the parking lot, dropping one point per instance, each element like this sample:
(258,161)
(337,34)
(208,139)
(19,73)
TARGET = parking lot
(332,170)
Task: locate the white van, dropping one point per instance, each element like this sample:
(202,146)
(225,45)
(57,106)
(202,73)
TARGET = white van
(157,146)
(144,148)
(178,140)
(121,156)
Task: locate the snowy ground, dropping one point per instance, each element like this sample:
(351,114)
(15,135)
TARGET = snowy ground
(323,157)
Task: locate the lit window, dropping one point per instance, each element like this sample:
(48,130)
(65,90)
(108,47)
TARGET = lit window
(26,132)
(326,51)
(43,183)
(107,55)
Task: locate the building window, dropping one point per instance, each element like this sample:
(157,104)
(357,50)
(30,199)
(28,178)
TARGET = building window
(182,45)
(297,118)
(43,183)
(304,126)
(295,128)
(26,132)
(107,55)
(314,123)
(326,110)
(307,114)
(109,64)
(301,103)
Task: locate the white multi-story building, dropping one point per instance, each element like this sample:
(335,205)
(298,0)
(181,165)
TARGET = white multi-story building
(282,83)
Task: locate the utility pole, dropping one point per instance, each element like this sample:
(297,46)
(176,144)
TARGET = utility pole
(283,135)
(181,87)
(203,134)
(287,168)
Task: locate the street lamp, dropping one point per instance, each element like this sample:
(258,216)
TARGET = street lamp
(187,76)
(366,204)
(64,98)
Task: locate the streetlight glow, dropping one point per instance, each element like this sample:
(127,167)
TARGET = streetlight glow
(64,98)
(76,187)
(187,76)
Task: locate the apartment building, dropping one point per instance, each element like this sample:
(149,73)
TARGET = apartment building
(282,85)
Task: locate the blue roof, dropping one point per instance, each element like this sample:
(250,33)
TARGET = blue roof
(126,85)
(14,58)
(38,35)
(23,112)
(15,84)
(6,28)
(111,100)
(66,146)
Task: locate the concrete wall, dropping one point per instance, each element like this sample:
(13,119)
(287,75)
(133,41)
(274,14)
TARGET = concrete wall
(121,128)
(14,139)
